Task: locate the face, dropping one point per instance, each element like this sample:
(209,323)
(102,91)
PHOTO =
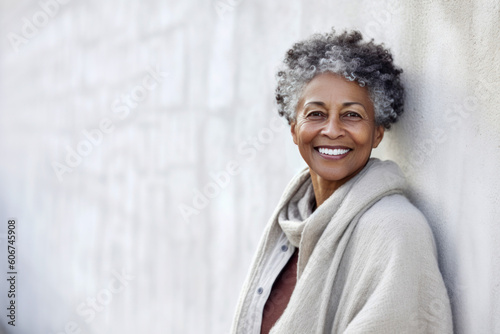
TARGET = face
(335,128)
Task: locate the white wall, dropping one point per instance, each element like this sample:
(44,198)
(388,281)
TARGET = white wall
(119,209)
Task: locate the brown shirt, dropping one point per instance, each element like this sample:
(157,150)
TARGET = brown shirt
(280,294)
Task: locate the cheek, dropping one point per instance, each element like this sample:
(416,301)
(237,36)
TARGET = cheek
(364,137)
(305,133)
(314,128)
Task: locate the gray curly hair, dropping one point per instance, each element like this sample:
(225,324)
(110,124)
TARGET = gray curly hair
(368,64)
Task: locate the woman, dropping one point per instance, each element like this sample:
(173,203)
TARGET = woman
(345,251)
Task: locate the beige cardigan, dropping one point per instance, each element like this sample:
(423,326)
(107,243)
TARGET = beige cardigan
(367,261)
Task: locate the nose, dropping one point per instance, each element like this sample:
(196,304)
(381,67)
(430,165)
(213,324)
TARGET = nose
(333,128)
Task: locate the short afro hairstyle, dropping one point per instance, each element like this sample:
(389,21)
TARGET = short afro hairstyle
(347,55)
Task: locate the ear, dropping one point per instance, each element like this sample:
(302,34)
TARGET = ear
(292,130)
(378,135)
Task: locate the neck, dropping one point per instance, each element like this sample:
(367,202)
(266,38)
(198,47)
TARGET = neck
(322,188)
(325,188)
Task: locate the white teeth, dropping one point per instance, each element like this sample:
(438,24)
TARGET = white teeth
(329,151)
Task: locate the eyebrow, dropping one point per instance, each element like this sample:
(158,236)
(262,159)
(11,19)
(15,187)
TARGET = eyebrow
(322,104)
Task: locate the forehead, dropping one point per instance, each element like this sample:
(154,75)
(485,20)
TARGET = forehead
(333,88)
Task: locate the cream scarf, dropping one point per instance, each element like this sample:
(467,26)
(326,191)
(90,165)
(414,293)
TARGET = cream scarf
(349,281)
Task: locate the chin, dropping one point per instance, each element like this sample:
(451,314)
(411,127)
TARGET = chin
(331,174)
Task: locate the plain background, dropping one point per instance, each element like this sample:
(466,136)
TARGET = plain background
(143,202)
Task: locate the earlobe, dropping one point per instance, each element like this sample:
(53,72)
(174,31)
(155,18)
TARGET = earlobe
(292,130)
(378,135)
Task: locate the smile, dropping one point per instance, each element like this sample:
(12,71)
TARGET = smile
(333,152)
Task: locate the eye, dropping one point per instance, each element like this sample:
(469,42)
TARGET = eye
(352,114)
(315,114)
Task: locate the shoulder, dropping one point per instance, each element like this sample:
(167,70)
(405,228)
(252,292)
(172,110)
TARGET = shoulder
(395,224)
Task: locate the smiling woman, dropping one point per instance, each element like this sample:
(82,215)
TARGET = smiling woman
(335,131)
(345,251)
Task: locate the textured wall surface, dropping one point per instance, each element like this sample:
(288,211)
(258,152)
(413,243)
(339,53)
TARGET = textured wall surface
(141,154)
